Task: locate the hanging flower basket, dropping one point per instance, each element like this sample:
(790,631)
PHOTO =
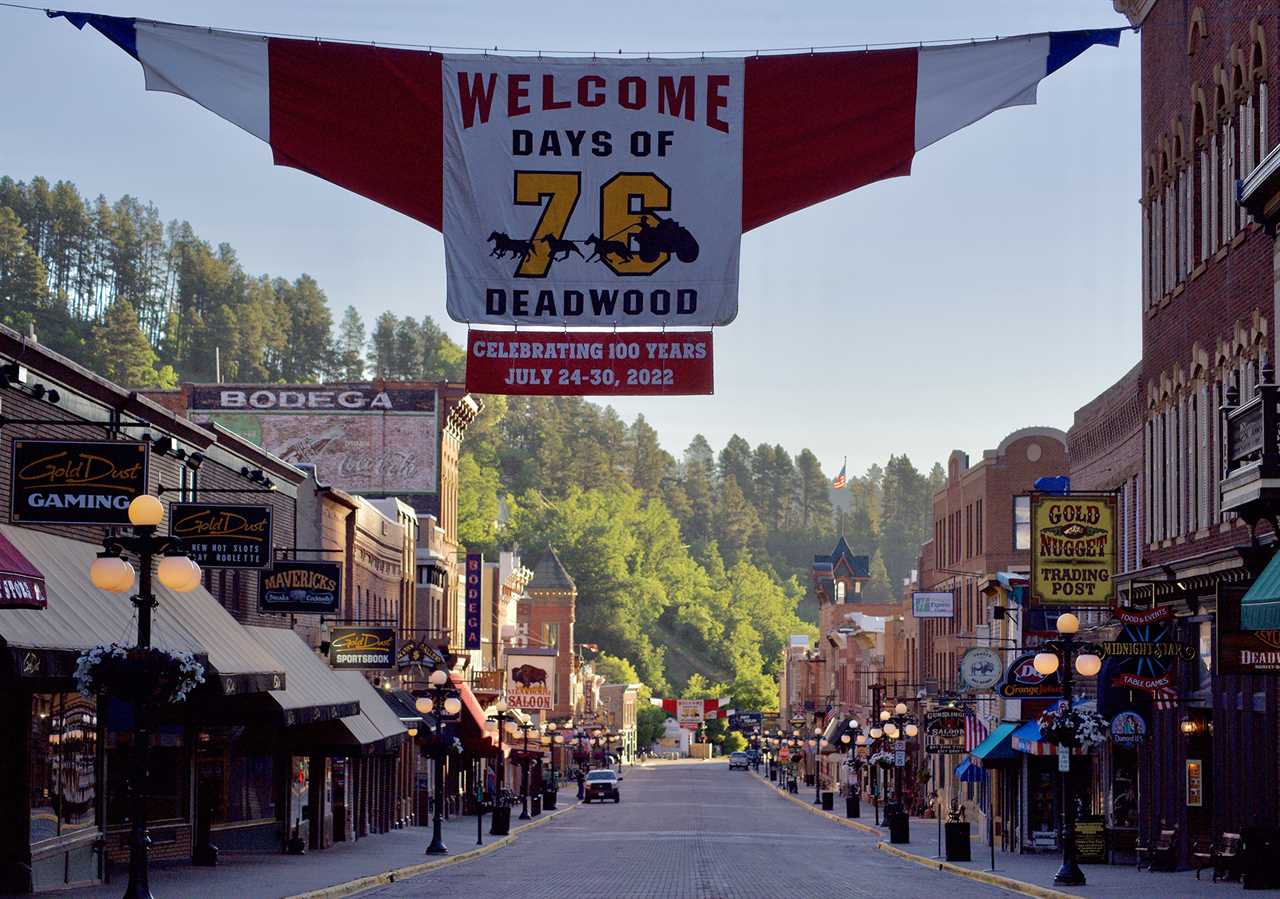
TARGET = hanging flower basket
(1076,727)
(149,677)
(883,759)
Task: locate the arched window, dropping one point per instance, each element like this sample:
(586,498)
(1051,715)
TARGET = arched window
(1242,146)
(1219,154)
(1258,99)
(1182,215)
(1150,242)
(1200,184)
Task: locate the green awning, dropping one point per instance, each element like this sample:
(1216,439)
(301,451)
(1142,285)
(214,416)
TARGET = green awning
(997,747)
(1260,607)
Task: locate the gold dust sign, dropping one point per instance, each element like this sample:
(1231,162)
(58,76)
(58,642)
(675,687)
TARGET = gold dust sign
(1073,550)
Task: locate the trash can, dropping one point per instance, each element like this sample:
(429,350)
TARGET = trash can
(828,800)
(501,825)
(899,827)
(852,806)
(1258,858)
(549,798)
(535,804)
(773,773)
(959,848)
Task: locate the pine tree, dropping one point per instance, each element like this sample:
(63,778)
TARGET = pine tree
(382,346)
(879,587)
(120,350)
(350,346)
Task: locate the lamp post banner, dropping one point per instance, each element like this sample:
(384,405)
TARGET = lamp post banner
(1073,550)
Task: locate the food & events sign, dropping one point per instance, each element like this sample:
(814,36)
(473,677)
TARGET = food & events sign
(296,586)
(76,481)
(1073,550)
(223,536)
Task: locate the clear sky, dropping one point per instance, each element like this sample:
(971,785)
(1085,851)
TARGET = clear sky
(996,287)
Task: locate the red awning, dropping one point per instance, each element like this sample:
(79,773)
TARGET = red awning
(21,583)
(473,729)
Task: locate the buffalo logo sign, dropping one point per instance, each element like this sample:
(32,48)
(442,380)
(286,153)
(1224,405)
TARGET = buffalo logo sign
(593,192)
(531,679)
(980,668)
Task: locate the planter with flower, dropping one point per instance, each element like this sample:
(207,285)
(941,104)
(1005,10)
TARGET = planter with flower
(883,759)
(1073,727)
(149,677)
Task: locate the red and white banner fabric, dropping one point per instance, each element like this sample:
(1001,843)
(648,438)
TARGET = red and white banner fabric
(613,190)
(693,711)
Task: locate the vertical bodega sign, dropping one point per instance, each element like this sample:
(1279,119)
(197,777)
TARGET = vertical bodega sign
(472,595)
(1073,550)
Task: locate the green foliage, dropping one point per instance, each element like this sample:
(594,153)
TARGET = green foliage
(650,724)
(615,670)
(733,742)
(121,352)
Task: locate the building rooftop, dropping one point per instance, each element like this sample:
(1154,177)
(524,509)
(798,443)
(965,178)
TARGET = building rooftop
(550,574)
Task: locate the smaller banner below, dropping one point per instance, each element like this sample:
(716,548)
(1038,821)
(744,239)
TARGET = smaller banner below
(556,363)
(363,647)
(221,536)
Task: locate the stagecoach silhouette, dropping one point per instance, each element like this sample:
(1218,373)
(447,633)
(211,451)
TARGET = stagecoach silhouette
(664,236)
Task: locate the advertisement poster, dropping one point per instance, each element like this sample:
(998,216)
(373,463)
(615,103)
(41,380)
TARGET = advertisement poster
(363,647)
(223,536)
(76,481)
(1091,840)
(1073,550)
(1195,783)
(551,363)
(299,587)
(531,679)
(359,437)
(592,191)
(689,711)
(933,605)
(472,592)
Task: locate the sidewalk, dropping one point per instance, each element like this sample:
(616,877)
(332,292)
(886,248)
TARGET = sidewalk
(1031,875)
(343,870)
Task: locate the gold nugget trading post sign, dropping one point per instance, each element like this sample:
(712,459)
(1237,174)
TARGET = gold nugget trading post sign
(1073,550)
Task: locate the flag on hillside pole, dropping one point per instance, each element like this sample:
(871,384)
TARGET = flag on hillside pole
(842,479)
(581,191)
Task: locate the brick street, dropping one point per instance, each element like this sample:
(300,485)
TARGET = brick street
(690,830)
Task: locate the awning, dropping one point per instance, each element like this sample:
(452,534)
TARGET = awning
(377,728)
(967,772)
(313,692)
(1260,606)
(46,642)
(1027,739)
(404,705)
(473,725)
(21,583)
(836,727)
(996,747)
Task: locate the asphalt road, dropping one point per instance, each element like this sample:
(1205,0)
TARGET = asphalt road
(694,830)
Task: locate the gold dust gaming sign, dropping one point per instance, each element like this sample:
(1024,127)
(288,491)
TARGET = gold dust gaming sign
(300,587)
(1073,550)
(222,536)
(76,481)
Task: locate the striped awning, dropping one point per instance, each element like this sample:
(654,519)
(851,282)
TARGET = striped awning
(1027,739)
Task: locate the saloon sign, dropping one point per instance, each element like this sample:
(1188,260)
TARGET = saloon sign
(300,587)
(944,731)
(76,481)
(531,677)
(220,536)
(1073,550)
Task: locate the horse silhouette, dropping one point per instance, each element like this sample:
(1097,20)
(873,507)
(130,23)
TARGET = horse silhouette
(556,246)
(502,245)
(603,248)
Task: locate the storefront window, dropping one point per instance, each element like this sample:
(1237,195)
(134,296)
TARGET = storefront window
(64,781)
(168,781)
(1042,805)
(236,775)
(1124,787)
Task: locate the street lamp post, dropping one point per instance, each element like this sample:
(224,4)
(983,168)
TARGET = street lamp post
(442,703)
(896,726)
(501,823)
(1068,655)
(525,727)
(111,572)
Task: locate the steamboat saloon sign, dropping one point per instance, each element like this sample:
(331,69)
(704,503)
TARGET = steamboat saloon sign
(76,481)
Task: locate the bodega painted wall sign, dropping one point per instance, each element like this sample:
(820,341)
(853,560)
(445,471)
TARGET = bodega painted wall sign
(301,587)
(1073,550)
(223,536)
(76,481)
(635,363)
(363,647)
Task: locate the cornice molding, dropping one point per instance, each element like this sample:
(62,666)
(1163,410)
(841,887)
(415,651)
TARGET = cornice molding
(1133,10)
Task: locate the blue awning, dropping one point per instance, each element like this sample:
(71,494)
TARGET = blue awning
(1260,607)
(996,747)
(967,772)
(1027,738)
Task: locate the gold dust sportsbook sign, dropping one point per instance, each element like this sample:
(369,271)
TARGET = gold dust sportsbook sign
(592,192)
(1073,550)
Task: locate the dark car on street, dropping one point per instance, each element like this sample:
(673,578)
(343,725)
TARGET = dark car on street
(739,760)
(603,785)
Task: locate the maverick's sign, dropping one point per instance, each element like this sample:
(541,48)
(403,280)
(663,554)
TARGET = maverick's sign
(301,587)
(363,647)
(220,536)
(76,481)
(1073,550)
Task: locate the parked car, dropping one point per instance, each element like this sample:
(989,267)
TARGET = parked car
(603,785)
(739,760)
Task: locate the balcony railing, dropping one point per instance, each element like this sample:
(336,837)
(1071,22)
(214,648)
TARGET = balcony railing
(1250,483)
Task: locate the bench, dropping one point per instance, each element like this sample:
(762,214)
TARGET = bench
(1162,854)
(1223,855)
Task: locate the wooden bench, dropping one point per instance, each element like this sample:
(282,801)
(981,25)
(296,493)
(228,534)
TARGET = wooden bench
(1223,855)
(1162,854)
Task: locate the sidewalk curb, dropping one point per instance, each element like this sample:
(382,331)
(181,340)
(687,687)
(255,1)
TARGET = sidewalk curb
(809,806)
(368,882)
(999,880)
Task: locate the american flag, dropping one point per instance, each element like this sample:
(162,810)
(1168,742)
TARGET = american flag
(1164,697)
(974,732)
(841,480)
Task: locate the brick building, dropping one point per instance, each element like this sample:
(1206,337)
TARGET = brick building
(546,620)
